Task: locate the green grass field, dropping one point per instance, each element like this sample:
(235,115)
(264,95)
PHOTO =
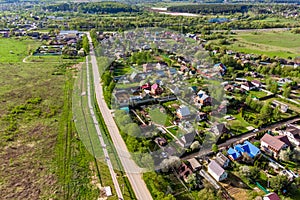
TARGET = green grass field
(282,44)
(40,154)
(14,50)
(157,116)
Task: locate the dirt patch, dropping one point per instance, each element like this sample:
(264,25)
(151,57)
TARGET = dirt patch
(25,168)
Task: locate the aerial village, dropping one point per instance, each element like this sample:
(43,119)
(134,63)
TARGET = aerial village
(199,121)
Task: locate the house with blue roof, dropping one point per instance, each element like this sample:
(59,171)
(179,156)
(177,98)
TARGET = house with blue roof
(238,150)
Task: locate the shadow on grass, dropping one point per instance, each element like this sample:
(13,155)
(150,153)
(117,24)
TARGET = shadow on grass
(236,182)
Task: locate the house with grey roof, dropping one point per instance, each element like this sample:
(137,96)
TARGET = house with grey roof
(216,171)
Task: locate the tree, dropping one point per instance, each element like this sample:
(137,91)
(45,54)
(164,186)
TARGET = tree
(195,145)
(285,155)
(85,44)
(279,182)
(133,129)
(286,88)
(266,111)
(296,154)
(215,148)
(171,162)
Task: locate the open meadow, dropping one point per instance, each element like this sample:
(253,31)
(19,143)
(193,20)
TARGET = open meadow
(281,44)
(40,154)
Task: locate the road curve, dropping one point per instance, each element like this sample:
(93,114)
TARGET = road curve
(133,172)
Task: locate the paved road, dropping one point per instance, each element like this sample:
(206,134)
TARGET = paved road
(251,134)
(206,151)
(91,107)
(134,173)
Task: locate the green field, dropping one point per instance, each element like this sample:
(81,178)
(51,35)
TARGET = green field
(14,50)
(282,44)
(157,116)
(40,154)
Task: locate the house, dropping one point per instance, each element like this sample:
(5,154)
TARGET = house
(202,99)
(201,116)
(172,71)
(183,112)
(147,67)
(283,81)
(216,171)
(271,196)
(219,129)
(194,164)
(161,141)
(282,107)
(229,88)
(239,150)
(248,86)
(184,171)
(156,90)
(186,126)
(222,160)
(174,89)
(272,144)
(293,134)
(222,68)
(188,139)
(256,83)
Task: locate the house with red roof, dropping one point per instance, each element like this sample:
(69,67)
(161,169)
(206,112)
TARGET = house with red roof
(271,196)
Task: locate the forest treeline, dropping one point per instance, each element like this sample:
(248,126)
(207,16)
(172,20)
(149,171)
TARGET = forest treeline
(95,7)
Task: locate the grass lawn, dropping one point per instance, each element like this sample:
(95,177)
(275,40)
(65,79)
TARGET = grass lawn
(238,126)
(282,44)
(157,116)
(258,94)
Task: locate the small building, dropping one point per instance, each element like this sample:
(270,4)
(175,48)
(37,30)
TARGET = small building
(202,99)
(219,129)
(271,196)
(161,141)
(229,88)
(216,171)
(147,67)
(272,144)
(194,164)
(293,134)
(256,83)
(183,112)
(156,89)
(282,107)
(222,160)
(184,171)
(248,86)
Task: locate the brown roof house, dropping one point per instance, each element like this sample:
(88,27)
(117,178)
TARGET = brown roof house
(273,144)
(216,171)
(222,160)
(194,164)
(293,134)
(184,171)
